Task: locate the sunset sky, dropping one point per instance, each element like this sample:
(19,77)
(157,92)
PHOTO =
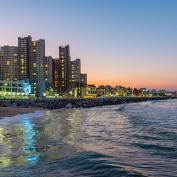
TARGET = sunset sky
(120,42)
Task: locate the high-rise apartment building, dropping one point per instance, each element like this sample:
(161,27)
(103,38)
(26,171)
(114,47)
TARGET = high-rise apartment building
(78,81)
(28,63)
(75,71)
(76,78)
(31,61)
(83,79)
(48,71)
(9,63)
(55,74)
(64,69)
(36,65)
(24,56)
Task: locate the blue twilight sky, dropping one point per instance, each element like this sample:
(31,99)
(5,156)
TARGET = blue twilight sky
(120,42)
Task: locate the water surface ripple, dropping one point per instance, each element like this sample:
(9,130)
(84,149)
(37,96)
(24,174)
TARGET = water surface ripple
(137,139)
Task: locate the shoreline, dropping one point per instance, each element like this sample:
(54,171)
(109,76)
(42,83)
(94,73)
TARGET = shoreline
(9,108)
(13,111)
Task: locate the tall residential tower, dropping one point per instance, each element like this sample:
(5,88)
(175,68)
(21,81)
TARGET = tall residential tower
(9,63)
(36,65)
(64,68)
(24,56)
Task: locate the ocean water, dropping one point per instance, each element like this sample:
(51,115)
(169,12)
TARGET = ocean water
(137,139)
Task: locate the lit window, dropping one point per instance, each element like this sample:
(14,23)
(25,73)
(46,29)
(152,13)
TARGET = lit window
(34,43)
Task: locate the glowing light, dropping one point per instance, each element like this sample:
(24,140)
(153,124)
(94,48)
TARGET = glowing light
(29,138)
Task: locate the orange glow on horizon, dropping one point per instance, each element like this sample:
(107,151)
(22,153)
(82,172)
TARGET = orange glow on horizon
(135,84)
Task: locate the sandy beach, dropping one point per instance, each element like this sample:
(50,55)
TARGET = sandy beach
(12,111)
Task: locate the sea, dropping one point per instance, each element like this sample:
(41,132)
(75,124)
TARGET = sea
(134,139)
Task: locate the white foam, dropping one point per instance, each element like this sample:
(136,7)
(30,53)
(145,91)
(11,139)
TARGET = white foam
(16,118)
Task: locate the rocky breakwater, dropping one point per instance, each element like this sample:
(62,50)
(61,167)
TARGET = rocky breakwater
(75,103)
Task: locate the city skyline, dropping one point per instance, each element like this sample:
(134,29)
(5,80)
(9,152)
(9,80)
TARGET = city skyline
(25,71)
(120,43)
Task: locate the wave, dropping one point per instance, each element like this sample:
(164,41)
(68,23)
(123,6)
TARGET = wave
(84,164)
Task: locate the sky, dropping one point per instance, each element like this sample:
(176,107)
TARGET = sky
(120,42)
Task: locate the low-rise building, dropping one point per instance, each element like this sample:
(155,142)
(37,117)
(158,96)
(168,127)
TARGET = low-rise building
(122,91)
(77,92)
(136,92)
(103,90)
(144,92)
(14,89)
(91,91)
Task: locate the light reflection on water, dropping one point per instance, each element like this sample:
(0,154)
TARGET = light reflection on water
(123,140)
(29,136)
